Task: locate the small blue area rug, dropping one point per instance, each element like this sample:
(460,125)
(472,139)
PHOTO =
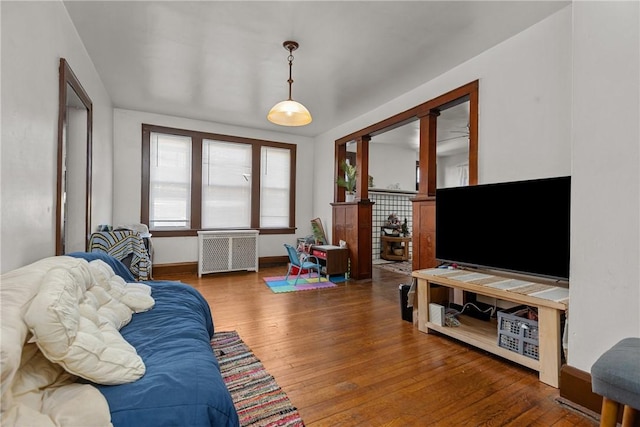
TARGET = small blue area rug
(305,283)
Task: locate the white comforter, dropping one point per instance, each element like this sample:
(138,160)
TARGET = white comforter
(60,321)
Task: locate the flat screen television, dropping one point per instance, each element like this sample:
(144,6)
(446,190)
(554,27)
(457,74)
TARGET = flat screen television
(520,227)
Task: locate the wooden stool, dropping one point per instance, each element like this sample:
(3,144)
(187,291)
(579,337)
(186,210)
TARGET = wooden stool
(616,377)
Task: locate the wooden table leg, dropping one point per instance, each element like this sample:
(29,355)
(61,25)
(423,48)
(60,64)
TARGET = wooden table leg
(549,345)
(609,415)
(630,417)
(423,303)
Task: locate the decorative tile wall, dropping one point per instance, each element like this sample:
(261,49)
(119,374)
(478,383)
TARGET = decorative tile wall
(386,203)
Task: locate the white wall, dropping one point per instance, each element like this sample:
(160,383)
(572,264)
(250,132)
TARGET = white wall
(524,109)
(34,37)
(128,177)
(560,98)
(449,174)
(605,205)
(390,165)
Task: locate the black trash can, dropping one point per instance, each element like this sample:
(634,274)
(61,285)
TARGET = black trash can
(407,312)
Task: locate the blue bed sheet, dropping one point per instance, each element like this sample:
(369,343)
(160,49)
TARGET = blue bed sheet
(182,385)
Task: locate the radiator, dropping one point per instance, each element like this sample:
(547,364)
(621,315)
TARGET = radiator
(228,250)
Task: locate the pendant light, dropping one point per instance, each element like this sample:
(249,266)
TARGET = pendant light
(289,112)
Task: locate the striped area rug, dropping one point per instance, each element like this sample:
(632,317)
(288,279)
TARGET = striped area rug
(259,400)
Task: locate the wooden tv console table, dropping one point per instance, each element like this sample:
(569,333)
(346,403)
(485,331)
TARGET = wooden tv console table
(551,302)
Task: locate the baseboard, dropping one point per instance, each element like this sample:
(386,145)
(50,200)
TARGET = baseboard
(177,268)
(192,267)
(575,386)
(270,261)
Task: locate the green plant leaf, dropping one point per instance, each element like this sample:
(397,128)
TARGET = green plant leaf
(348,180)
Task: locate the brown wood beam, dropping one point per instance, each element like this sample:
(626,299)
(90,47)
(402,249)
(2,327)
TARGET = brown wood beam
(340,156)
(362,162)
(428,177)
(473,138)
(443,101)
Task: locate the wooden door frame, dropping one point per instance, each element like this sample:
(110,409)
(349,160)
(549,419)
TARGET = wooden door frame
(68,80)
(427,113)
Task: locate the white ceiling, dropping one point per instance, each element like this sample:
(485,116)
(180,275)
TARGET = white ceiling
(223,61)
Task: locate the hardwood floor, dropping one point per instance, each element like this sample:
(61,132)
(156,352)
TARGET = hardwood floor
(345,357)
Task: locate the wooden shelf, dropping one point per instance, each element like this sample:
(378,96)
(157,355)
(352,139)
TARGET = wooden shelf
(484,335)
(388,244)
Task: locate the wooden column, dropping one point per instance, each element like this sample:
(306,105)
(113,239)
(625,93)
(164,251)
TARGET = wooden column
(428,177)
(424,204)
(424,233)
(362,163)
(473,137)
(352,222)
(340,156)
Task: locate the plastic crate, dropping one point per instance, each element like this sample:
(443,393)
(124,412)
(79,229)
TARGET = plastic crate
(518,333)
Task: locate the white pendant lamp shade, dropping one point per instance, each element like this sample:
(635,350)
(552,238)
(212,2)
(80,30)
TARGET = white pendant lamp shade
(289,112)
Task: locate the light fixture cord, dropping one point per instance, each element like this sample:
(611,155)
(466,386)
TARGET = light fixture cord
(290,58)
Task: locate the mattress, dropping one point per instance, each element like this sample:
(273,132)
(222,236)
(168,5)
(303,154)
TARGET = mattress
(182,385)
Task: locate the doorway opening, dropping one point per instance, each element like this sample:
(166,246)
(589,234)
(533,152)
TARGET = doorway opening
(401,162)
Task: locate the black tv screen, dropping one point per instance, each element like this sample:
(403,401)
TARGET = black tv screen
(521,226)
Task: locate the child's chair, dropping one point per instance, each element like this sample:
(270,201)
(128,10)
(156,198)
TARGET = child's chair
(303,262)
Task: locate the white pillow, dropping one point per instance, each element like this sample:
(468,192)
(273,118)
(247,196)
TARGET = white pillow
(70,331)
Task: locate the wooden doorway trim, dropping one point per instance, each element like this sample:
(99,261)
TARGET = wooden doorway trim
(467,92)
(68,83)
(423,224)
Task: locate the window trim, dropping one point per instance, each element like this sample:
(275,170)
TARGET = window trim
(196,178)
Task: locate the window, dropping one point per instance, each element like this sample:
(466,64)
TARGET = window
(274,186)
(226,185)
(195,180)
(170,181)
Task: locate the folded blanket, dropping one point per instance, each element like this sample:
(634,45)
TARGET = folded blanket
(60,321)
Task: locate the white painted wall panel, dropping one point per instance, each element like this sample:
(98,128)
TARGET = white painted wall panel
(127,180)
(605,205)
(525,109)
(34,37)
(391,166)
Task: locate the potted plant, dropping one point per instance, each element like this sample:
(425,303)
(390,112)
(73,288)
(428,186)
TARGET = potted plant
(348,180)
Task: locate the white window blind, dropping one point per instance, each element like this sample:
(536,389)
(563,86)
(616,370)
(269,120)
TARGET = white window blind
(275,187)
(226,184)
(169,181)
